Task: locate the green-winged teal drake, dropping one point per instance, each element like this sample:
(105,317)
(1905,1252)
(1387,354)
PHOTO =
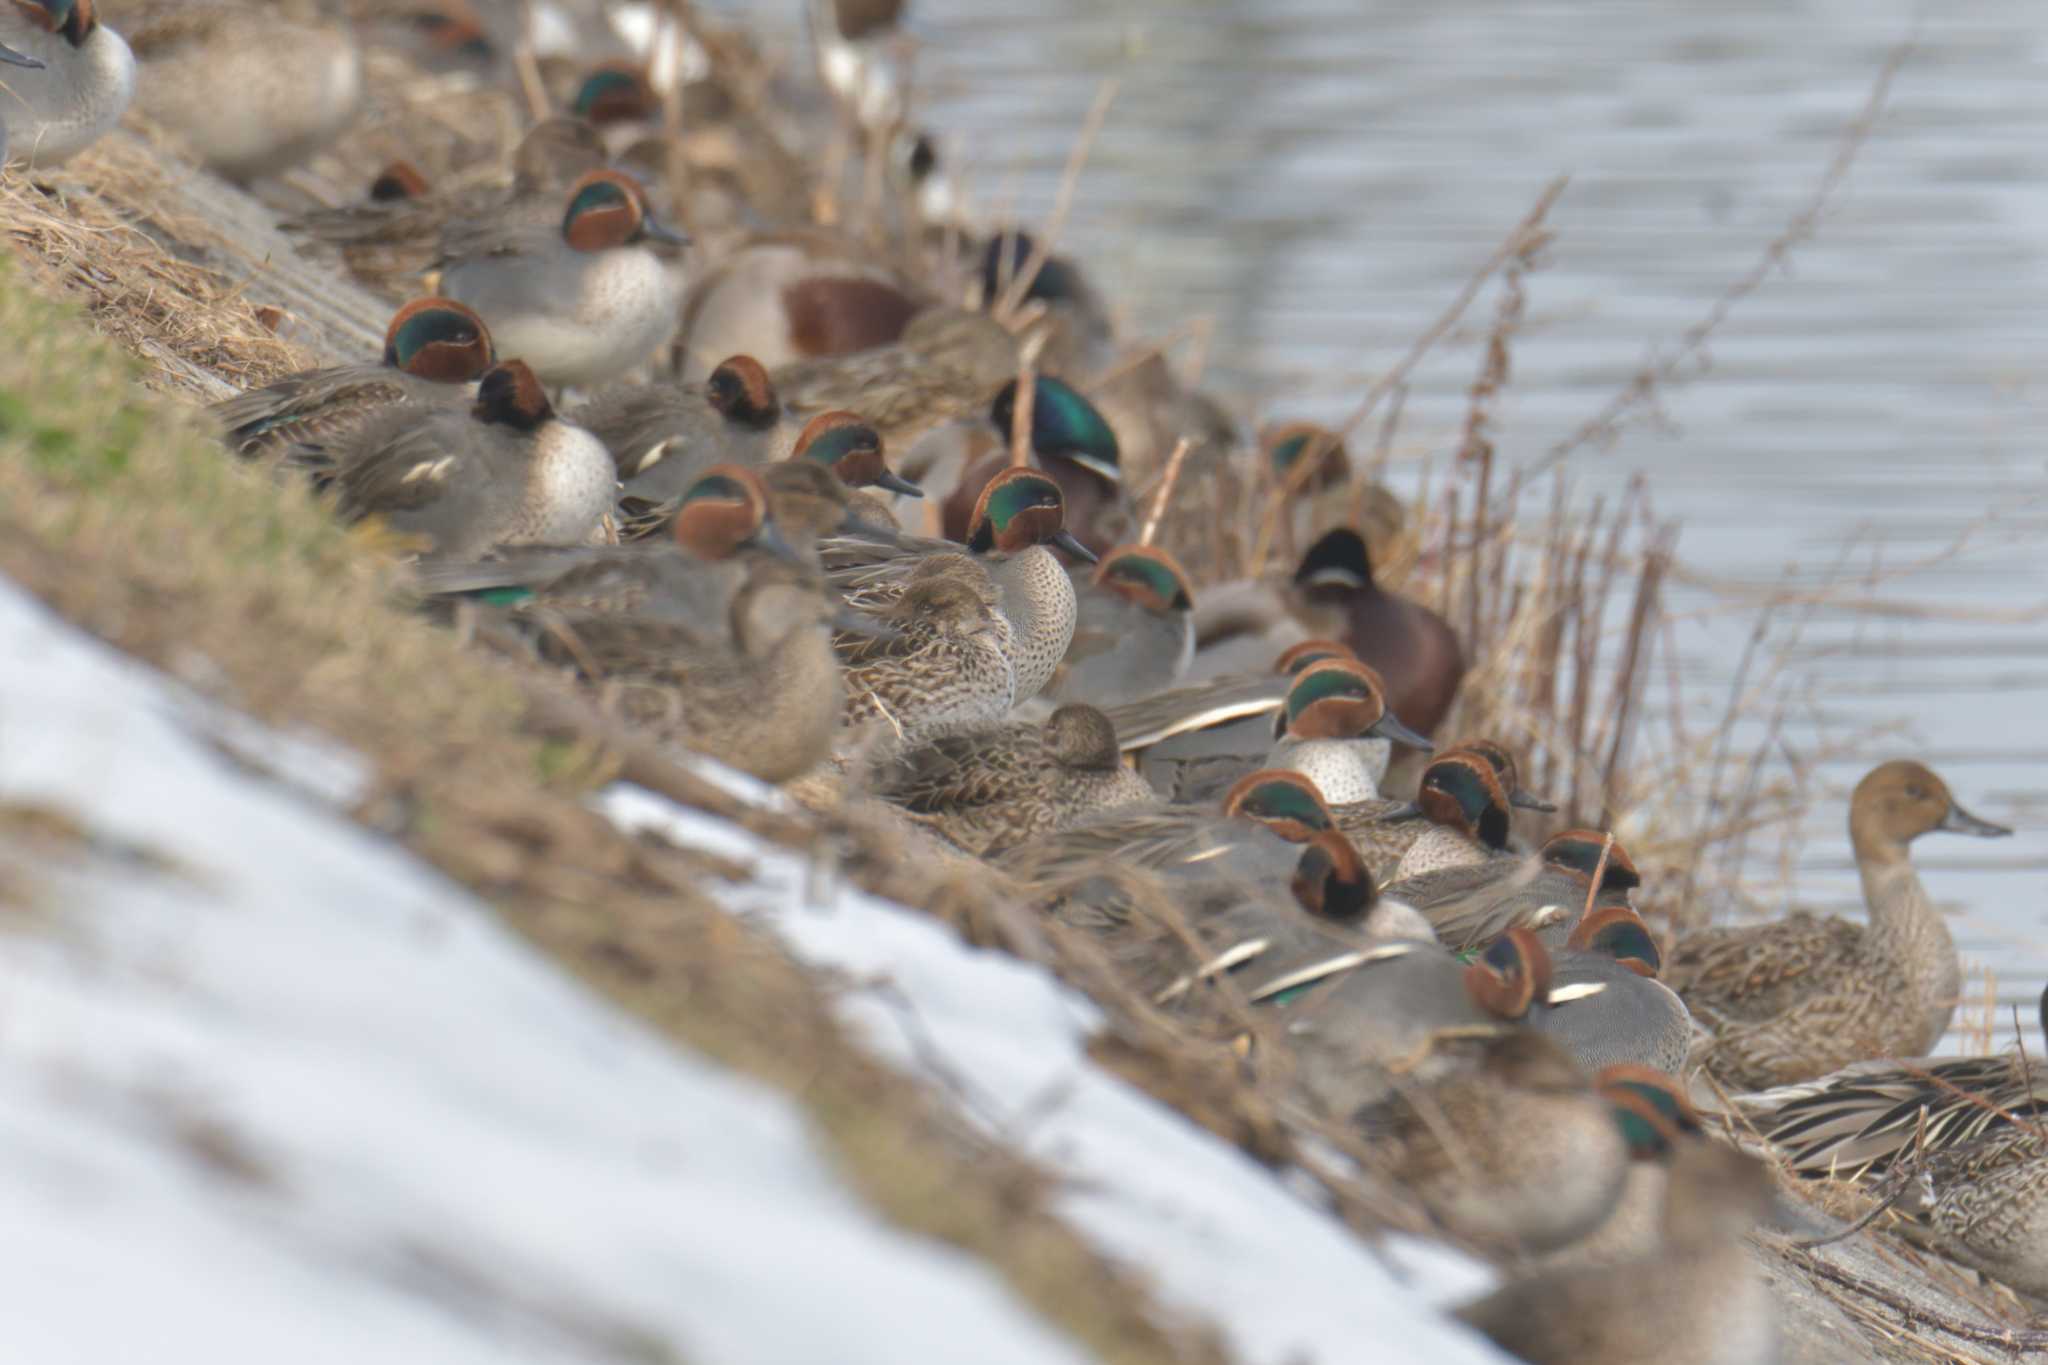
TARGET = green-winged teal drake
(1606,1004)
(80,83)
(1546,889)
(1404,1011)
(393,234)
(1336,728)
(434,352)
(994,789)
(1133,630)
(724,649)
(251,89)
(504,472)
(1448,794)
(583,300)
(1069,440)
(947,668)
(1800,997)
(1860,1120)
(1020,514)
(663,435)
(1255,838)
(1695,1300)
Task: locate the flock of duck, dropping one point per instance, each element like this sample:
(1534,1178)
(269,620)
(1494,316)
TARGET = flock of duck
(772,496)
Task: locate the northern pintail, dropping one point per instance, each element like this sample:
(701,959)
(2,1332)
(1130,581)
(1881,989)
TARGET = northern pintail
(1800,997)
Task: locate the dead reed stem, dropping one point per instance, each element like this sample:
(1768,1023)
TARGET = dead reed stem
(1165,493)
(1063,201)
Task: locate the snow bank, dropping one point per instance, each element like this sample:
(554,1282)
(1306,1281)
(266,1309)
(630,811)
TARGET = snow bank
(270,1090)
(1218,1234)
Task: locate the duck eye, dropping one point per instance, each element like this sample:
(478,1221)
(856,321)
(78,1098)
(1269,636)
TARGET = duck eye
(1916,793)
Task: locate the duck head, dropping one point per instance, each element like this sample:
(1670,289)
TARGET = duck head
(1308,653)
(1285,802)
(740,391)
(1897,802)
(1510,975)
(399,181)
(615,92)
(1648,1107)
(1020,508)
(608,209)
(1331,881)
(439,339)
(1336,565)
(1064,426)
(74,19)
(1080,737)
(1460,791)
(510,395)
(453,29)
(1007,253)
(1617,931)
(845,444)
(1288,444)
(1342,699)
(1506,769)
(1578,851)
(1147,577)
(724,510)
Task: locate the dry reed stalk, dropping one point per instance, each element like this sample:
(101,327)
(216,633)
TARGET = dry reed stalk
(1165,493)
(1022,412)
(1062,204)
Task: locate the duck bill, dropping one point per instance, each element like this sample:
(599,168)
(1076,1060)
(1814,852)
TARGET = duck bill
(771,540)
(1065,540)
(896,483)
(659,231)
(1530,801)
(851,622)
(1389,726)
(13,58)
(1960,821)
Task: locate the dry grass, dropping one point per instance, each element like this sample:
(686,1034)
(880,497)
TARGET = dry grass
(117,509)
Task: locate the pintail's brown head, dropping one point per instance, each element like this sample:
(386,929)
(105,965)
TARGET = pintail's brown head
(1897,802)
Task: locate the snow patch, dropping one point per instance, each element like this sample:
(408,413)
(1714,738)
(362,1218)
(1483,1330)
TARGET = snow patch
(1219,1235)
(284,1093)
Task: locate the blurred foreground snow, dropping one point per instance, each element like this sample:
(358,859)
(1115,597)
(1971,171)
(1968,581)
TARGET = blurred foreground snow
(271,1089)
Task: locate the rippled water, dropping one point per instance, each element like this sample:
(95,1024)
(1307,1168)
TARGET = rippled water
(1320,178)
